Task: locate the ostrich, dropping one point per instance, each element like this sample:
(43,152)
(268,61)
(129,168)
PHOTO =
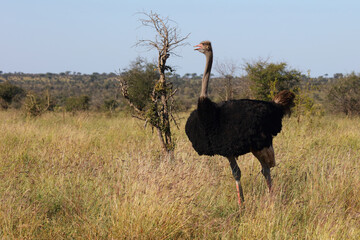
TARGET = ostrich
(236,127)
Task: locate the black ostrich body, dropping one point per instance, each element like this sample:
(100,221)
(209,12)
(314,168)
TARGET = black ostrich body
(234,127)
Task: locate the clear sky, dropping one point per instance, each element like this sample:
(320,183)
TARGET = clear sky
(40,36)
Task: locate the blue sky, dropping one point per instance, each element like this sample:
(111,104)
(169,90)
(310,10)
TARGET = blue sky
(40,36)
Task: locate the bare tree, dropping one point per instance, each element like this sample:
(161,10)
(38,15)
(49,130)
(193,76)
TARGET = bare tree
(167,39)
(227,69)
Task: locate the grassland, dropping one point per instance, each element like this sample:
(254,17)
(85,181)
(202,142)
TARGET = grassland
(89,176)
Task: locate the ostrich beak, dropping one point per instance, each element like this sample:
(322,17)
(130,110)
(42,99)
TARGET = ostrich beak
(197,47)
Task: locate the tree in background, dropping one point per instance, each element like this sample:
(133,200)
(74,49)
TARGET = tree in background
(158,115)
(137,85)
(268,78)
(110,105)
(37,104)
(79,103)
(227,70)
(10,93)
(304,101)
(344,95)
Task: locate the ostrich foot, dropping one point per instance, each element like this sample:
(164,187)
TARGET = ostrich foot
(239,194)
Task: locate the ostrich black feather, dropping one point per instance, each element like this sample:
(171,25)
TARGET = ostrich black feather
(233,128)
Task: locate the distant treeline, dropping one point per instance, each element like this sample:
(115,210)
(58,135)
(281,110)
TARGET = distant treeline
(74,91)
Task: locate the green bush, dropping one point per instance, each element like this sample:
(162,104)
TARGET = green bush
(140,80)
(267,77)
(344,95)
(9,93)
(80,103)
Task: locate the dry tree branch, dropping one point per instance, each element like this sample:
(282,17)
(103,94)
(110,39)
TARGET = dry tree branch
(170,36)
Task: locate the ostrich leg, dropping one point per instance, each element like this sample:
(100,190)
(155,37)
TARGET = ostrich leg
(237,175)
(266,158)
(266,172)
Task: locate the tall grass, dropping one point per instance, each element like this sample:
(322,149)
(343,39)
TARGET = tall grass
(92,177)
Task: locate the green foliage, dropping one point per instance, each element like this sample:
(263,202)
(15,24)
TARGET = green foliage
(273,90)
(344,95)
(81,103)
(140,80)
(266,77)
(152,115)
(305,104)
(61,86)
(9,93)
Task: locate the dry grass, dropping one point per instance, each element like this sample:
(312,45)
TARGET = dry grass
(93,177)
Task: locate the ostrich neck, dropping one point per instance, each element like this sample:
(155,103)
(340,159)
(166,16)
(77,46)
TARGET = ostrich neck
(206,76)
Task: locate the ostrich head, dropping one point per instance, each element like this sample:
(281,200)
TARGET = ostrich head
(204,47)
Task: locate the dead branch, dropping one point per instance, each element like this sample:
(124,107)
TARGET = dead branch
(167,38)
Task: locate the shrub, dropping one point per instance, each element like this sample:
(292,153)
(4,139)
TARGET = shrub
(110,105)
(139,81)
(265,76)
(80,103)
(344,95)
(35,104)
(9,93)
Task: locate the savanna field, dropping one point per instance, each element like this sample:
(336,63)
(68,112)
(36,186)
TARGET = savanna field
(91,176)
